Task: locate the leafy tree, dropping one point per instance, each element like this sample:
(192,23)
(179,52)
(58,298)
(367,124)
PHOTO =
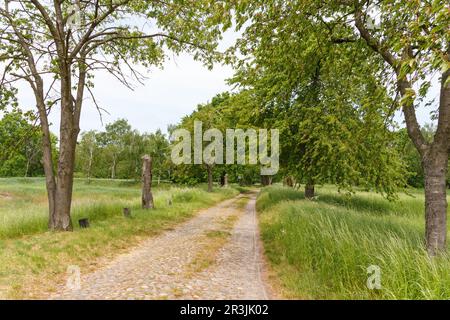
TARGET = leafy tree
(405,42)
(411,38)
(157,145)
(87,151)
(119,149)
(134,150)
(113,142)
(224,111)
(210,117)
(332,112)
(20,139)
(56,47)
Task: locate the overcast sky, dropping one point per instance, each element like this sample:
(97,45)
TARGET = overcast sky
(168,95)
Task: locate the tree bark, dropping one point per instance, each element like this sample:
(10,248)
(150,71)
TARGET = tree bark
(435,170)
(210,178)
(309,190)
(47,159)
(434,157)
(68,136)
(147,197)
(435,166)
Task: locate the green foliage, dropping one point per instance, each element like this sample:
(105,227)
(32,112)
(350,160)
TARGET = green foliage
(20,139)
(224,111)
(333,112)
(117,152)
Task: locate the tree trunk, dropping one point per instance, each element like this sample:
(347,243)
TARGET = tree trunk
(266,180)
(222,179)
(309,190)
(435,165)
(47,160)
(289,181)
(210,178)
(68,136)
(147,197)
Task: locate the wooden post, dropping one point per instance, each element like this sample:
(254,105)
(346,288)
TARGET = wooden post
(147,197)
(84,223)
(225,180)
(127,212)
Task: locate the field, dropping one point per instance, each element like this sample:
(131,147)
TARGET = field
(324,249)
(321,249)
(33,261)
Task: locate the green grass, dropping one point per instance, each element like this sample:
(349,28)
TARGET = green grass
(321,249)
(34,261)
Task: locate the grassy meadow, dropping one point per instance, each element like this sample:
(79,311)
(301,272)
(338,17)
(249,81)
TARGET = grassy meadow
(33,261)
(322,249)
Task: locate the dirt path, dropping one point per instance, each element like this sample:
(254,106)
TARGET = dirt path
(215,255)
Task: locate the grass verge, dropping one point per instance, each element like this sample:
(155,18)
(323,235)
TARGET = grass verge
(324,249)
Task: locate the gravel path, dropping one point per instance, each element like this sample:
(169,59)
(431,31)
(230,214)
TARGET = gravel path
(162,266)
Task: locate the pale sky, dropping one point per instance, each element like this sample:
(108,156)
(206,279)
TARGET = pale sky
(167,95)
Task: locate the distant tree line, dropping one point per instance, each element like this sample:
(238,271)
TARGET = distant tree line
(116,152)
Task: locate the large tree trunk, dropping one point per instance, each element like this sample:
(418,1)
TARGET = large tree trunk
(435,167)
(210,178)
(309,190)
(68,136)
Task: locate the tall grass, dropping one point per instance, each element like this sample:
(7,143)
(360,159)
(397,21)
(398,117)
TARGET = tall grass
(33,261)
(322,249)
